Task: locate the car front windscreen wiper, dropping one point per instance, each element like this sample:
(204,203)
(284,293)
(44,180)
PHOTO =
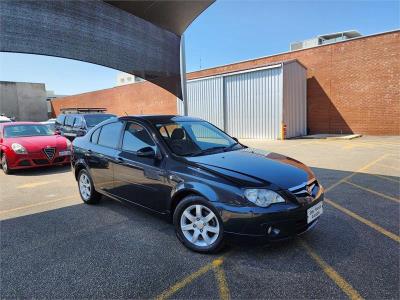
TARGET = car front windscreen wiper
(229,148)
(208,150)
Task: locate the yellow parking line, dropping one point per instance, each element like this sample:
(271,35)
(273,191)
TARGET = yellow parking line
(373,192)
(354,173)
(184,282)
(378,228)
(35,184)
(332,274)
(224,293)
(387,178)
(390,167)
(36,204)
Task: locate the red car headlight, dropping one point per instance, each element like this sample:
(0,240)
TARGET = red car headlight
(18,148)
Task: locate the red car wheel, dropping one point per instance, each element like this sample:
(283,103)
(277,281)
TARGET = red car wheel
(4,164)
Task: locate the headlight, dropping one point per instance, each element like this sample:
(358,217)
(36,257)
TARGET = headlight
(19,149)
(263,198)
(68,143)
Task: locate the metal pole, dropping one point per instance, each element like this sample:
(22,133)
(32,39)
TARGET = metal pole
(183,76)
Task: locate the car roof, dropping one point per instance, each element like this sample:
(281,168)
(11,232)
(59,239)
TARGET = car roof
(89,114)
(21,123)
(156,119)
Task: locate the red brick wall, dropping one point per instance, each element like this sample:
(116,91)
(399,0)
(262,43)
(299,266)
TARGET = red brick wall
(137,98)
(352,87)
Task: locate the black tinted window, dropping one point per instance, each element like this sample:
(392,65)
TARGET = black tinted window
(136,138)
(109,135)
(95,136)
(93,120)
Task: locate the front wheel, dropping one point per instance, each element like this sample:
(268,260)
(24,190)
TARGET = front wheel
(86,188)
(4,164)
(198,225)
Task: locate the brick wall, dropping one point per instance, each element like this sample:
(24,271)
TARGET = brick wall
(352,87)
(137,98)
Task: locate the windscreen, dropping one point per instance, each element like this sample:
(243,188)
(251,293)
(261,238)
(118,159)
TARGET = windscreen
(93,120)
(191,138)
(27,130)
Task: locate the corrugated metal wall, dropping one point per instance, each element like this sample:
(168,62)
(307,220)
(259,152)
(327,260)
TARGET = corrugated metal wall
(205,100)
(295,99)
(254,104)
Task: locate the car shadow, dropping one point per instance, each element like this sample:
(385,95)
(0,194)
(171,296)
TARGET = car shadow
(42,171)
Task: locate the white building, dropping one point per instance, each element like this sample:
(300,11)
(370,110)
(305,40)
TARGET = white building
(325,39)
(126,78)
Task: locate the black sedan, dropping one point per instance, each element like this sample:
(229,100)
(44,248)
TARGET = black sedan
(210,185)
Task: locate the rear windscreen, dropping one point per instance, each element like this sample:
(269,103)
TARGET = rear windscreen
(93,120)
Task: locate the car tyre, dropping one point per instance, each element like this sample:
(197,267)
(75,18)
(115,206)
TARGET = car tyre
(198,225)
(86,188)
(4,164)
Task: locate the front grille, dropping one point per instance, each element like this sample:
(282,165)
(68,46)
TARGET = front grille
(49,152)
(309,189)
(24,163)
(58,159)
(40,162)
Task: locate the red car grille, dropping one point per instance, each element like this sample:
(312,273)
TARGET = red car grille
(50,152)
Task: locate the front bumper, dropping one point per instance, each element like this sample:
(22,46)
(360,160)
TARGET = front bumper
(276,222)
(34,160)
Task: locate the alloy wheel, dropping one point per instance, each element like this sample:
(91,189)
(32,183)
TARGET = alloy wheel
(4,163)
(200,225)
(85,186)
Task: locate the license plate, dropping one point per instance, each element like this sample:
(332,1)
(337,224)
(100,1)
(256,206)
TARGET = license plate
(65,153)
(314,212)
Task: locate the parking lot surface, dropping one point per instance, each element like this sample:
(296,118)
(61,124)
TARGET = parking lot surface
(54,246)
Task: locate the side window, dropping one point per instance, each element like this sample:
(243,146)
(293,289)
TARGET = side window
(69,120)
(136,137)
(60,120)
(78,122)
(95,136)
(109,135)
(164,132)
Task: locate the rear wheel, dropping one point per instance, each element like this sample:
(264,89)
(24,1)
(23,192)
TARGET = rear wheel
(4,164)
(86,188)
(198,225)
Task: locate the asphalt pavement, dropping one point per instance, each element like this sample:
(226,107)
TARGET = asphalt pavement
(54,246)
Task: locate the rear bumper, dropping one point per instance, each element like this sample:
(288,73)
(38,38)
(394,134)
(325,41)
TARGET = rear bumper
(270,224)
(35,160)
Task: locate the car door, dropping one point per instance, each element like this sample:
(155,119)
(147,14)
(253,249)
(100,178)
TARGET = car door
(139,175)
(100,155)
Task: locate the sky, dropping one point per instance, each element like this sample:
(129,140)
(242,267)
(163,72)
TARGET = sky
(227,32)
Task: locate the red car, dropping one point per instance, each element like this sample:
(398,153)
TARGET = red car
(28,145)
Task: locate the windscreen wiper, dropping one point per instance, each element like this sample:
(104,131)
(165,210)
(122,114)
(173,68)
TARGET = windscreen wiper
(209,150)
(229,148)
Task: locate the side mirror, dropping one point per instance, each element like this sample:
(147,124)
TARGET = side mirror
(146,152)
